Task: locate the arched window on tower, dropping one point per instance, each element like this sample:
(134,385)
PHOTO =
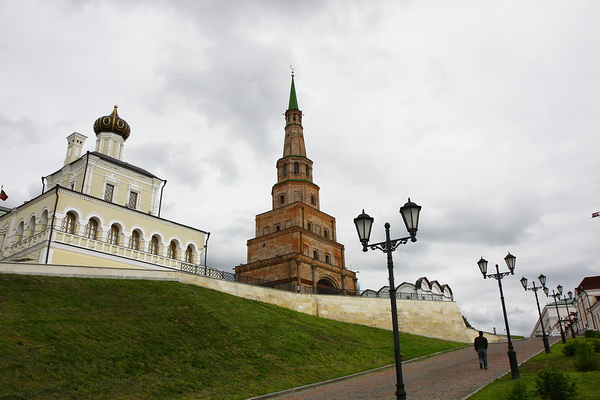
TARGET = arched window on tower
(307,171)
(284,170)
(296,168)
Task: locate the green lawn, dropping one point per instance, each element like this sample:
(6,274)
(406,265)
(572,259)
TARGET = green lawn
(72,338)
(588,383)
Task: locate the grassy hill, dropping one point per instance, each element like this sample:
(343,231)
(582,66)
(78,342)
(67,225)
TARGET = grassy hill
(72,338)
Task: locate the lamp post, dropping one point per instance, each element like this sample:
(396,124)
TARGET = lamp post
(410,214)
(534,289)
(570,294)
(510,263)
(556,296)
(576,316)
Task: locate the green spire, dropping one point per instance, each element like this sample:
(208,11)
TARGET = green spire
(293,101)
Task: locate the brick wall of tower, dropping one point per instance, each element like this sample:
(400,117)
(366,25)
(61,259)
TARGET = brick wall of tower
(294,191)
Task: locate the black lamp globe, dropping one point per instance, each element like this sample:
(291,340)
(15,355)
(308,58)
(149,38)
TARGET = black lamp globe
(524,282)
(542,279)
(410,214)
(559,288)
(364,223)
(510,262)
(482,264)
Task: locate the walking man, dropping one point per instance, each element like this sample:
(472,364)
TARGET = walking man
(481,345)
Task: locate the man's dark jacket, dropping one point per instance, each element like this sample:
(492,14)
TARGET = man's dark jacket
(480,343)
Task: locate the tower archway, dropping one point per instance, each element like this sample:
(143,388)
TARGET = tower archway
(327,285)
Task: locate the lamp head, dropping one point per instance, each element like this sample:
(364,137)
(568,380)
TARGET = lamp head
(410,214)
(364,223)
(559,288)
(482,264)
(510,261)
(546,291)
(570,294)
(542,279)
(524,282)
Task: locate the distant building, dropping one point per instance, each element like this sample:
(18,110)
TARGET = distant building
(587,297)
(581,310)
(296,246)
(98,210)
(550,318)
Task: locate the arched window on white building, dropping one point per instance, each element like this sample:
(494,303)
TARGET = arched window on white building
(113,235)
(43,221)
(189,254)
(154,245)
(19,232)
(172,249)
(91,229)
(69,223)
(134,241)
(30,227)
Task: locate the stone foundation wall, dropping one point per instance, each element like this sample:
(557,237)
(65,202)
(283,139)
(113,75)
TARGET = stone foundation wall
(439,319)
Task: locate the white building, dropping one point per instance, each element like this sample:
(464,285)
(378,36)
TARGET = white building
(587,300)
(98,210)
(550,317)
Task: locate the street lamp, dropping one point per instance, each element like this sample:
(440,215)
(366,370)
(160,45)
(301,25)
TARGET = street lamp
(410,214)
(575,313)
(534,288)
(556,296)
(510,263)
(569,319)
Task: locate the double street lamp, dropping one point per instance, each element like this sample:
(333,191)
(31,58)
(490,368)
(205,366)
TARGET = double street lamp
(510,263)
(534,288)
(559,288)
(410,214)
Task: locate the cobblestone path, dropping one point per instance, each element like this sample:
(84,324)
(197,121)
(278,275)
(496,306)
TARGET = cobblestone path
(448,376)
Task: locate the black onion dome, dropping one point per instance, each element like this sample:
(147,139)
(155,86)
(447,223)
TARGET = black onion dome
(112,123)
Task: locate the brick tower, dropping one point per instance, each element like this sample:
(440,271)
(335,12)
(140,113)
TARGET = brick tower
(295,247)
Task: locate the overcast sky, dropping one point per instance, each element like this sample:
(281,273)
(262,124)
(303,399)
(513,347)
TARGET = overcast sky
(484,113)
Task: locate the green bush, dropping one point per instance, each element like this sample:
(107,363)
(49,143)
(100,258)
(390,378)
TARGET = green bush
(552,384)
(569,349)
(585,357)
(591,334)
(518,392)
(596,344)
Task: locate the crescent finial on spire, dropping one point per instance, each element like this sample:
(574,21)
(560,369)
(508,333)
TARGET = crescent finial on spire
(293,69)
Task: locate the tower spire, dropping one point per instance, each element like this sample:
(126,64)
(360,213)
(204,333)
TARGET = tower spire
(293,100)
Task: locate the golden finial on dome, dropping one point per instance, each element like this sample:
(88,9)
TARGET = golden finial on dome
(293,69)
(112,123)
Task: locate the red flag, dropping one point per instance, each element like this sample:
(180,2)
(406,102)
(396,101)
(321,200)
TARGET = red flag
(3,195)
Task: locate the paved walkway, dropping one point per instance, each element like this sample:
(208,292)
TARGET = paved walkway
(448,376)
